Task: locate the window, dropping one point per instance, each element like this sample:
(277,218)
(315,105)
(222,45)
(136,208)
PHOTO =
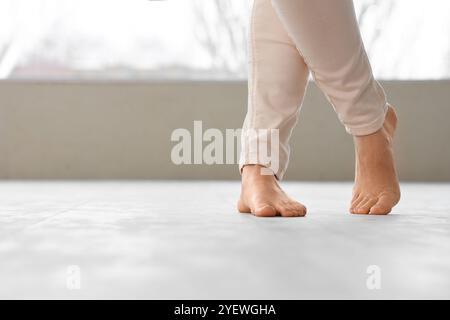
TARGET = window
(195,39)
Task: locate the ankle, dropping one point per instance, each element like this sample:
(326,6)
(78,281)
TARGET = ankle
(373,139)
(254,172)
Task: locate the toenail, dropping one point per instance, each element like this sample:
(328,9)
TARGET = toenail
(267,206)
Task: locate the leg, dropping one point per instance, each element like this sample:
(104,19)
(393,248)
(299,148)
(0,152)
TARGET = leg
(327,35)
(277,82)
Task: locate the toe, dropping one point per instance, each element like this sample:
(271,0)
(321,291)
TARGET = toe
(242,207)
(382,207)
(355,203)
(355,196)
(300,209)
(265,211)
(291,209)
(380,210)
(364,206)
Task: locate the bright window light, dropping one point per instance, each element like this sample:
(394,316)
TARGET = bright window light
(196,39)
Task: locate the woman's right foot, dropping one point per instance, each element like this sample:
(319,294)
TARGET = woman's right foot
(262,196)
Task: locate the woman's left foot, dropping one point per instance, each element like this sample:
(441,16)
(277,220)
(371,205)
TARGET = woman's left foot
(376,189)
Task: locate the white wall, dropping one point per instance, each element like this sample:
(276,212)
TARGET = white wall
(122,130)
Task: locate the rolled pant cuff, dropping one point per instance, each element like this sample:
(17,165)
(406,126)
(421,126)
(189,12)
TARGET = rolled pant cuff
(246,162)
(370,128)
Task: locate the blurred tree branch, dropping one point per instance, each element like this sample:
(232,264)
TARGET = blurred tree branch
(221,30)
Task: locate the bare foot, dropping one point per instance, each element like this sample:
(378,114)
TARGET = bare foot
(262,196)
(376,189)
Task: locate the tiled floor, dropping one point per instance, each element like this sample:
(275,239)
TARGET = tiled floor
(171,240)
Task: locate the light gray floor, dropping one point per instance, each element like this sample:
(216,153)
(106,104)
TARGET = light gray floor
(184,240)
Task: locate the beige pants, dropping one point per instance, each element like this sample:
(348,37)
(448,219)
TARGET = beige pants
(290,38)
